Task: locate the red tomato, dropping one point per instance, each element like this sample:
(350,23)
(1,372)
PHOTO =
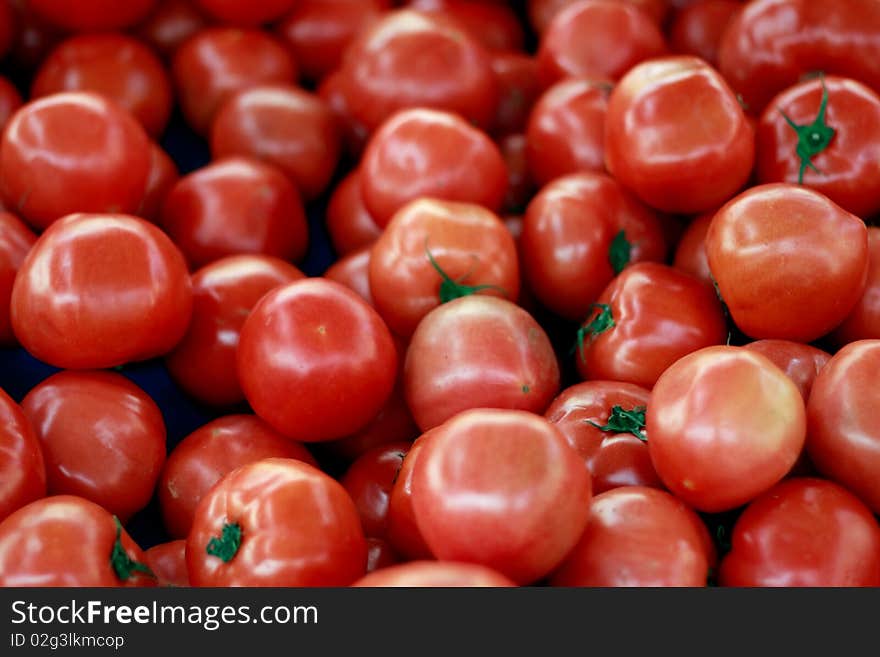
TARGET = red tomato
(334,90)
(101,290)
(403,530)
(496,26)
(10,101)
(349,223)
(16,241)
(676,135)
(168,562)
(520,187)
(310,331)
(442,574)
(102,436)
(250,14)
(518,89)
(789,262)
(604,421)
(218,61)
(843,435)
(804,532)
(170,24)
(647,318)
(800,362)
(690,254)
(65,540)
(162,177)
(207,455)
(725,424)
(380,554)
(34,38)
(91,15)
(114,65)
(825,134)
(276,522)
(541,12)
(697,29)
(369,480)
(232,206)
(434,251)
(22,467)
(578,232)
(638,536)
(863,322)
(72,152)
(503,489)
(424,152)
(224,292)
(353,271)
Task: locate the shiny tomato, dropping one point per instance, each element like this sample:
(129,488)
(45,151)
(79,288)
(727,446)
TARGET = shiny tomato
(68,541)
(10,101)
(403,532)
(604,421)
(676,135)
(162,177)
(697,29)
(91,15)
(101,290)
(276,522)
(638,536)
(803,295)
(207,455)
(501,488)
(424,152)
(443,574)
(309,331)
(518,89)
(349,224)
(72,152)
(496,26)
(801,362)
(369,480)
(725,424)
(249,14)
(863,322)
(22,466)
(804,532)
(353,271)
(168,563)
(170,24)
(224,292)
(16,240)
(380,554)
(690,252)
(541,12)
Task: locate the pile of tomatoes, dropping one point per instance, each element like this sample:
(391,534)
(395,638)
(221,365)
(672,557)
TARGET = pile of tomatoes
(598,305)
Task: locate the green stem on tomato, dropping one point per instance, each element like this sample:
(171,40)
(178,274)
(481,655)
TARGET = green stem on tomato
(624,421)
(225,547)
(813,138)
(123,565)
(619,252)
(451,289)
(602,322)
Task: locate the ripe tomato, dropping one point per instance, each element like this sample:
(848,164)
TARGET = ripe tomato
(22,467)
(101,290)
(496,26)
(249,14)
(677,136)
(349,224)
(804,532)
(10,101)
(697,29)
(16,241)
(170,24)
(520,187)
(68,541)
(236,205)
(224,292)
(276,522)
(353,271)
(690,253)
(162,177)
(91,15)
(34,38)
(443,574)
(334,90)
(168,563)
(423,152)
(803,295)
(863,322)
(800,362)
(541,12)
(369,480)
(403,532)
(638,536)
(518,88)
(207,455)
(72,152)
(380,554)
(316,331)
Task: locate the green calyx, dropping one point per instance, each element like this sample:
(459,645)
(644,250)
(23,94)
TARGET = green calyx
(451,289)
(619,252)
(625,421)
(813,138)
(123,565)
(226,547)
(602,322)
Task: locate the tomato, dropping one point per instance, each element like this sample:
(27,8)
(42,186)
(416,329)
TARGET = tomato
(541,12)
(68,541)
(170,24)
(224,292)
(349,224)
(824,133)
(207,455)
(842,432)
(442,574)
(520,187)
(162,177)
(604,421)
(318,32)
(647,318)
(10,101)
(308,331)
(803,295)
(597,38)
(804,532)
(101,290)
(334,90)
(638,536)
(697,29)
(369,480)
(276,522)
(250,14)
(353,271)
(218,61)
(501,488)
(863,321)
(236,205)
(403,531)
(496,26)
(434,251)
(72,152)
(22,467)
(115,65)
(801,362)
(424,152)
(168,562)
(578,231)
(380,554)
(91,15)
(16,241)
(690,253)
(518,88)
(676,135)
(725,425)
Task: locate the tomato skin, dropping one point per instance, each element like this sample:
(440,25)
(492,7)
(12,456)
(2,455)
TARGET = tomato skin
(115,65)
(168,561)
(369,480)
(501,488)
(118,291)
(207,455)
(72,152)
(10,101)
(808,293)
(613,459)
(863,322)
(162,177)
(237,205)
(380,554)
(639,536)
(16,240)
(296,335)
(403,532)
(353,271)
(335,90)
(349,223)
(542,12)
(697,29)
(66,541)
(518,89)
(203,363)
(298,528)
(442,574)
(91,15)
(249,14)
(800,362)
(804,532)
(496,26)
(423,152)
(653,148)
(520,187)
(725,424)
(690,253)
(22,466)
(170,24)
